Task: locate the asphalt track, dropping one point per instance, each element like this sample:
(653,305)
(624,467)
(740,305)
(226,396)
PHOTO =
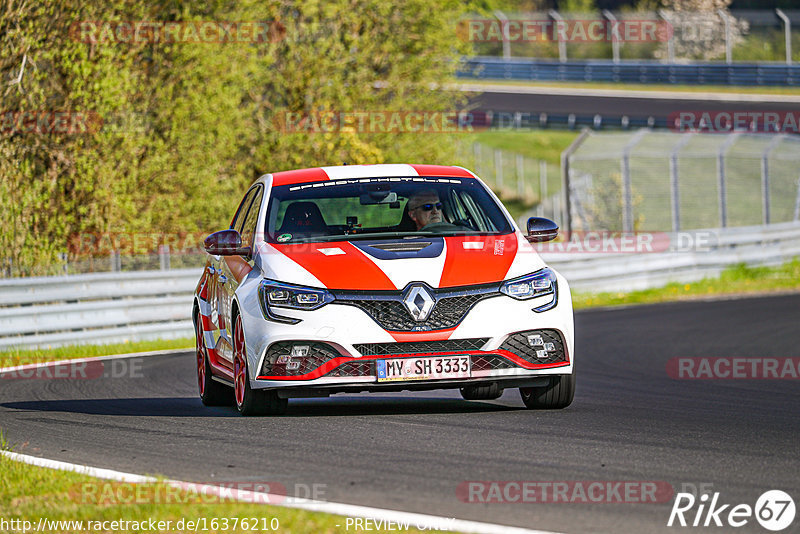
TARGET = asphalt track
(409,452)
(614,105)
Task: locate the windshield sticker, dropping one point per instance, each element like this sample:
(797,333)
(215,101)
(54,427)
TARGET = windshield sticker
(283,238)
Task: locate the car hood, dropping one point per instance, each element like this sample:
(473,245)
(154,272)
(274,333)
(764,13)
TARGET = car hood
(391,264)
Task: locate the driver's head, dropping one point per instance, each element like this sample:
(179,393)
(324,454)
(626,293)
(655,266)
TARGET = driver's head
(425,208)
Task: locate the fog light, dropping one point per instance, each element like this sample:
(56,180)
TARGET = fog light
(293,365)
(541,354)
(535,340)
(299,351)
(549,346)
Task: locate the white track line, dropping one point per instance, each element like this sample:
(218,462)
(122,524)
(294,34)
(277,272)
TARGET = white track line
(55,363)
(422,521)
(622,93)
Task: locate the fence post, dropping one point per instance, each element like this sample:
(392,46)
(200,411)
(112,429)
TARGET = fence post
(543,179)
(562,46)
(163,257)
(614,34)
(504,28)
(498,170)
(476,149)
(520,176)
(722,192)
(116,261)
(765,177)
(565,185)
(671,40)
(727,20)
(787,29)
(674,183)
(797,203)
(627,192)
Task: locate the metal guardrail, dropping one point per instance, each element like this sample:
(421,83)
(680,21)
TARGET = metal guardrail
(647,72)
(115,307)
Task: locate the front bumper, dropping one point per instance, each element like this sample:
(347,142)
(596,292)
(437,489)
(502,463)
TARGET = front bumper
(347,343)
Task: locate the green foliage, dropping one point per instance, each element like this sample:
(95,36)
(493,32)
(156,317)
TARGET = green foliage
(187,125)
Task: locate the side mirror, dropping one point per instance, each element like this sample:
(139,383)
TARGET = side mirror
(541,229)
(226,243)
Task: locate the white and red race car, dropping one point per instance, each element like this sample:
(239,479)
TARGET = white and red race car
(379,278)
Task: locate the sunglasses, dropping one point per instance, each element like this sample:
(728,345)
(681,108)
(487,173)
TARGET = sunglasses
(429,207)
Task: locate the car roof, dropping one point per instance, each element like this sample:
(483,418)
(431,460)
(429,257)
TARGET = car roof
(341,172)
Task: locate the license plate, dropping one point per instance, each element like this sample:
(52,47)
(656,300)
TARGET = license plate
(438,368)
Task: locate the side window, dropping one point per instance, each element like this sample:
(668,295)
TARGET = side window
(241,211)
(249,225)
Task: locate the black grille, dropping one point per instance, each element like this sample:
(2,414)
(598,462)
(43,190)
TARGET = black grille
(354,369)
(318,354)
(490,362)
(417,347)
(519,345)
(387,308)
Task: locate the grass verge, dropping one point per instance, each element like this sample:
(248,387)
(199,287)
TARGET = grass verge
(28,493)
(20,356)
(736,280)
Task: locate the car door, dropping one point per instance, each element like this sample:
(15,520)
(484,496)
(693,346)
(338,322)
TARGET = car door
(233,269)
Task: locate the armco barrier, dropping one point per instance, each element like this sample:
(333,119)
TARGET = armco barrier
(629,72)
(114,307)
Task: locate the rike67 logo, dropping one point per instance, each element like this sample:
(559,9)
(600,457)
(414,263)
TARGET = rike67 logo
(774,510)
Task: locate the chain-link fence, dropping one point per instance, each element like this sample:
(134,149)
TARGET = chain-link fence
(517,179)
(665,181)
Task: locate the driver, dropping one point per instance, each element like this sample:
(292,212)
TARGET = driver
(424,208)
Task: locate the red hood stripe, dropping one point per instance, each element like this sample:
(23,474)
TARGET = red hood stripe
(441,170)
(351,270)
(464,267)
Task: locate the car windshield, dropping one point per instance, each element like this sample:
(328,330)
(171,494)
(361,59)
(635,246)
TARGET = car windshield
(374,208)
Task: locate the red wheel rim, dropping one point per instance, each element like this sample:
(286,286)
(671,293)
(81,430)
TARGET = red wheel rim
(201,360)
(239,367)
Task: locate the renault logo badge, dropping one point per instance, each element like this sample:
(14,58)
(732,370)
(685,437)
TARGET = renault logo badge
(419,302)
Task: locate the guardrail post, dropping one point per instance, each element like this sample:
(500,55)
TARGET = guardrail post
(722,194)
(163,257)
(614,34)
(674,185)
(797,203)
(565,182)
(627,190)
(765,208)
(562,46)
(787,29)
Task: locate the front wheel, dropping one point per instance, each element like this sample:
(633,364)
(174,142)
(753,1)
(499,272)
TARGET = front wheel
(251,401)
(554,396)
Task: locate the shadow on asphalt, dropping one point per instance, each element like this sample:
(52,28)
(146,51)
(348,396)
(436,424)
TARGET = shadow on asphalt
(298,408)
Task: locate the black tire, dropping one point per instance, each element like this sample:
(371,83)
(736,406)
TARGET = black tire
(554,396)
(488,392)
(251,401)
(212,393)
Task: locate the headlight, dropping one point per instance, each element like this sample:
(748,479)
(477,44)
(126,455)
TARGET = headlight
(274,294)
(538,284)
